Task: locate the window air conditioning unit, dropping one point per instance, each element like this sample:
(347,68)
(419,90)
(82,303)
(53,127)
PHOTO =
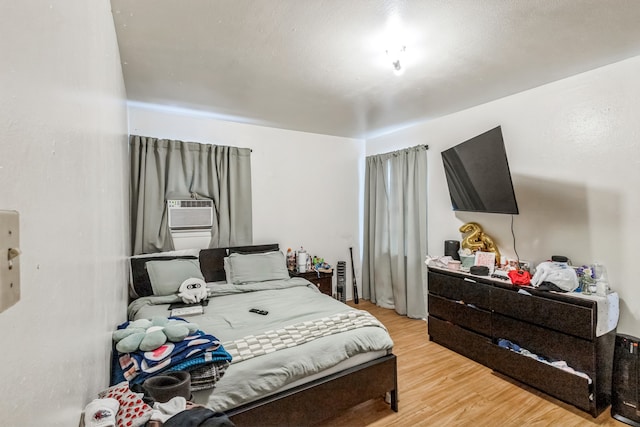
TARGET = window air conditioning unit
(190,214)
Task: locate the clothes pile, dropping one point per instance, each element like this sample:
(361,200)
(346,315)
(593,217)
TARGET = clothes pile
(118,406)
(200,354)
(560,364)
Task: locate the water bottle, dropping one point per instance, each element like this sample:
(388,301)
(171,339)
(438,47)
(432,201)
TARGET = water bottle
(302,261)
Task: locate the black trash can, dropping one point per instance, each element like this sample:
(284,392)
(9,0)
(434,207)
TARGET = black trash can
(451,248)
(625,384)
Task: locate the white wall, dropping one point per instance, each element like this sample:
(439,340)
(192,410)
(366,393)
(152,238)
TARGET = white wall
(574,153)
(304,185)
(64,167)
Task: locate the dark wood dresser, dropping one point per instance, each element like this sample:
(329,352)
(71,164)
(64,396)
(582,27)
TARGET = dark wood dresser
(322,280)
(471,314)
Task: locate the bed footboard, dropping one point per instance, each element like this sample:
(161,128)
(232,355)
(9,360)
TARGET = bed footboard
(324,397)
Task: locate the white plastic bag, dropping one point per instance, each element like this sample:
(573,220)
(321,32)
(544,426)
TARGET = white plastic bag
(558,273)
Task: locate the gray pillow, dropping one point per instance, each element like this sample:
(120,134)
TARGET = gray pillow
(167,276)
(227,270)
(260,267)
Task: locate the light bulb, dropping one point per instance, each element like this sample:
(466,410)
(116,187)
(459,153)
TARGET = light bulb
(395,55)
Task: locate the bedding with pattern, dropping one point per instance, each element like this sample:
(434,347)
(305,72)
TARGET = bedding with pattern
(303,333)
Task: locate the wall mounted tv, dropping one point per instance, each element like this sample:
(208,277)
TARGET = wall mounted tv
(478,175)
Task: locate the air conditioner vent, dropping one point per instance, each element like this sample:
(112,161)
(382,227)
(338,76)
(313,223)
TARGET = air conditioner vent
(190,214)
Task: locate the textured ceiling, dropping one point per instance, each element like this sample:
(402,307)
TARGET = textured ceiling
(320,65)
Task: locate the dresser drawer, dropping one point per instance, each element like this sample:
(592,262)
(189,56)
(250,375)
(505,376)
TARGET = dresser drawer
(463,315)
(467,343)
(324,281)
(445,286)
(323,284)
(563,385)
(558,315)
(552,345)
(460,289)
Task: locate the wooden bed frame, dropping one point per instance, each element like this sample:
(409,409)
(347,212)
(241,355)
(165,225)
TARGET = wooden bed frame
(310,402)
(323,398)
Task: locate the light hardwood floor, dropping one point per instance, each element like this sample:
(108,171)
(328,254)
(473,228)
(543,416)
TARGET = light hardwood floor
(438,387)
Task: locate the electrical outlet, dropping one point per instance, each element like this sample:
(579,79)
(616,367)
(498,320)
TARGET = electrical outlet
(9,259)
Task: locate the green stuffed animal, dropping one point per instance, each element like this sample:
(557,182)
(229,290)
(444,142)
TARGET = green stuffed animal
(148,335)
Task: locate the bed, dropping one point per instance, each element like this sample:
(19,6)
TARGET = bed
(307,357)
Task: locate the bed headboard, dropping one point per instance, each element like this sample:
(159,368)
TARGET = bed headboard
(211,265)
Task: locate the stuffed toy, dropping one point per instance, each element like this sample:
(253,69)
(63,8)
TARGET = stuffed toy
(148,335)
(193,290)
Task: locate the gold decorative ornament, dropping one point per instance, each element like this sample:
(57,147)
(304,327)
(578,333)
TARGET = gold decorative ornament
(477,240)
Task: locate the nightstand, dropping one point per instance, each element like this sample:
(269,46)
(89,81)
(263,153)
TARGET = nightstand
(322,280)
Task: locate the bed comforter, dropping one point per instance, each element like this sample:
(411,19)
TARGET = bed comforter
(290,304)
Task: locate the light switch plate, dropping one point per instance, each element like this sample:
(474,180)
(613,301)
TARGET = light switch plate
(9,259)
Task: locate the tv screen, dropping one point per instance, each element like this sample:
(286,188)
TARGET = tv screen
(478,175)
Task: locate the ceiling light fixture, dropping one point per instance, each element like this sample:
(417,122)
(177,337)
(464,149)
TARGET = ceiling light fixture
(395,56)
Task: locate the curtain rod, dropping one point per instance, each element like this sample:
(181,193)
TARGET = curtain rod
(396,152)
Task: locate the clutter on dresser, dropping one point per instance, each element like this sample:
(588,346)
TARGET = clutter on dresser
(478,255)
(476,248)
(477,240)
(551,275)
(301,262)
(559,275)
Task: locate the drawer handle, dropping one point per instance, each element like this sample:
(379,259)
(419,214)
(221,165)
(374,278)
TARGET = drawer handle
(470,280)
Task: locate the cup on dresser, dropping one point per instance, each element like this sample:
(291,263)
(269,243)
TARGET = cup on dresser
(453,265)
(302,262)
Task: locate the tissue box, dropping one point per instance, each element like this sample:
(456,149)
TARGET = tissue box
(467,261)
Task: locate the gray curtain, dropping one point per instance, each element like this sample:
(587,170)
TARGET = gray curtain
(162,169)
(395,231)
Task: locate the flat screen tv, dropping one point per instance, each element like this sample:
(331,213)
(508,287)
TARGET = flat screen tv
(478,175)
